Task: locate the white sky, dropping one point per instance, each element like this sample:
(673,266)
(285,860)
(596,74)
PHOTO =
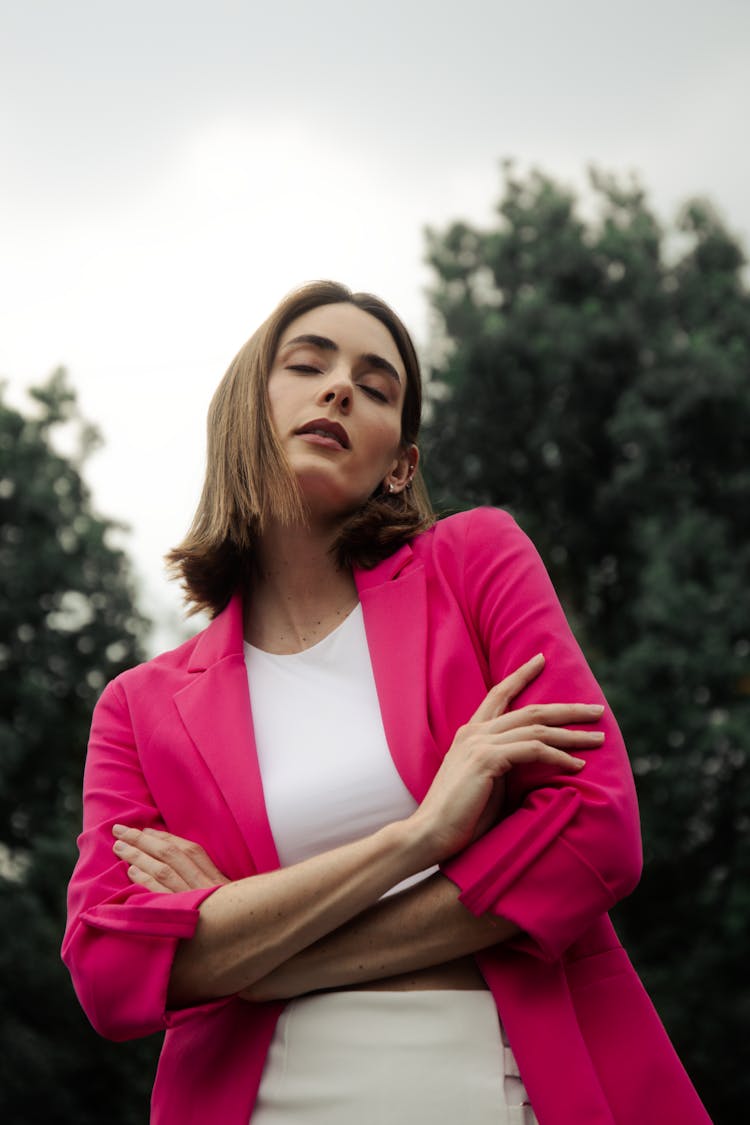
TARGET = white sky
(168,170)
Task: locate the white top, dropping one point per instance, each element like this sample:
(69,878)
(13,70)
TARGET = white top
(328,775)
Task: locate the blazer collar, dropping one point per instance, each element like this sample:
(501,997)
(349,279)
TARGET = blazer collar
(223,637)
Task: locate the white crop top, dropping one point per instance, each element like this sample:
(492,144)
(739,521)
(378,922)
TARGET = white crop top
(328,775)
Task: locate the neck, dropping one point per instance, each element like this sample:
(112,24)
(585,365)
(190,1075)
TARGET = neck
(299,593)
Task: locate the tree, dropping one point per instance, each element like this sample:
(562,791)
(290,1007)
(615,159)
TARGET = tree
(594,381)
(68,624)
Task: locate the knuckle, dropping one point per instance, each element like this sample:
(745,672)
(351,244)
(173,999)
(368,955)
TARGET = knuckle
(472,750)
(162,873)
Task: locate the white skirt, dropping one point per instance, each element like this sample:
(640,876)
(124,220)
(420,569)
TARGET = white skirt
(382,1058)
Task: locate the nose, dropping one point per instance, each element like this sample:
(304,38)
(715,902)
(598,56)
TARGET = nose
(337,391)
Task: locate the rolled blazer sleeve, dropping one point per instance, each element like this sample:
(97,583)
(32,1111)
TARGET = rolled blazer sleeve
(569,847)
(120,939)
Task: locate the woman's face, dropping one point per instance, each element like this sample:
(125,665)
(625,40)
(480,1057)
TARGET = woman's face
(336,392)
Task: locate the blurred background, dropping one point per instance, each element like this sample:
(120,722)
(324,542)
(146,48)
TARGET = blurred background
(556,199)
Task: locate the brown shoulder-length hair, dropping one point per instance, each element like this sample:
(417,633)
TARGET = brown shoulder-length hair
(248,477)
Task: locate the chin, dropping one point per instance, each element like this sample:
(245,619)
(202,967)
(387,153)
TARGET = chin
(327,496)
(332,507)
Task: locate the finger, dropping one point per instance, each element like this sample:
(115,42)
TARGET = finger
(192,852)
(552,736)
(549,714)
(499,696)
(173,851)
(162,873)
(144,880)
(153,841)
(533,751)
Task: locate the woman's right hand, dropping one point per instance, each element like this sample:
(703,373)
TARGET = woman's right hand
(465,789)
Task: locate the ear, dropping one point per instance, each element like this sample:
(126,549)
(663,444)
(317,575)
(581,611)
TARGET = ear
(404,468)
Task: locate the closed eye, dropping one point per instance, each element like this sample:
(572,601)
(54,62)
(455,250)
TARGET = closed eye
(303,367)
(373,392)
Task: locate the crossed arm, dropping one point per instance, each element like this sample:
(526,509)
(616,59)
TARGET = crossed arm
(418,928)
(320,924)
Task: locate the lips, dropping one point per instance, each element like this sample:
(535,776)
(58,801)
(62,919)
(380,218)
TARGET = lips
(326,428)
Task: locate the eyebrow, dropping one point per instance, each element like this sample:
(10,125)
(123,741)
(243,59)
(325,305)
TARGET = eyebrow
(327,345)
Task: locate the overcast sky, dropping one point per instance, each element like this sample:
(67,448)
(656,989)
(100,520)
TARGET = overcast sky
(169,170)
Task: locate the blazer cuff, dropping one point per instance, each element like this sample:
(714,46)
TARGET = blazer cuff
(120,956)
(159,916)
(533,878)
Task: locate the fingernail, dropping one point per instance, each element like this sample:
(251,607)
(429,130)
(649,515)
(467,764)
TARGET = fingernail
(535,659)
(118,829)
(597,708)
(579,762)
(118,846)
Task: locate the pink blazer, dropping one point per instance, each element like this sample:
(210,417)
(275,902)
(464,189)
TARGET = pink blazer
(172,746)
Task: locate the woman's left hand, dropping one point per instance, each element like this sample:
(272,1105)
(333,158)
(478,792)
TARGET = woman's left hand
(163,862)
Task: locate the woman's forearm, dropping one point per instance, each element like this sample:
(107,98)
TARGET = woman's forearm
(249,927)
(423,926)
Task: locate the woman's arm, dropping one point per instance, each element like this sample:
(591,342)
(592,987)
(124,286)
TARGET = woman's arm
(423,926)
(120,940)
(419,927)
(250,927)
(133,952)
(570,846)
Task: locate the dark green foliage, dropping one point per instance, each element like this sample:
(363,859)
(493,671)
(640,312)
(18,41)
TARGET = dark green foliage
(598,385)
(68,624)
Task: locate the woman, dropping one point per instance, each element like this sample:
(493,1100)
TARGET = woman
(403,719)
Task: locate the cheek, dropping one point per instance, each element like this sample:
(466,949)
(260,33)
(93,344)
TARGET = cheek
(385,442)
(278,401)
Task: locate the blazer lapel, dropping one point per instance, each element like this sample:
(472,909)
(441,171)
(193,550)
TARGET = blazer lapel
(215,708)
(394,606)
